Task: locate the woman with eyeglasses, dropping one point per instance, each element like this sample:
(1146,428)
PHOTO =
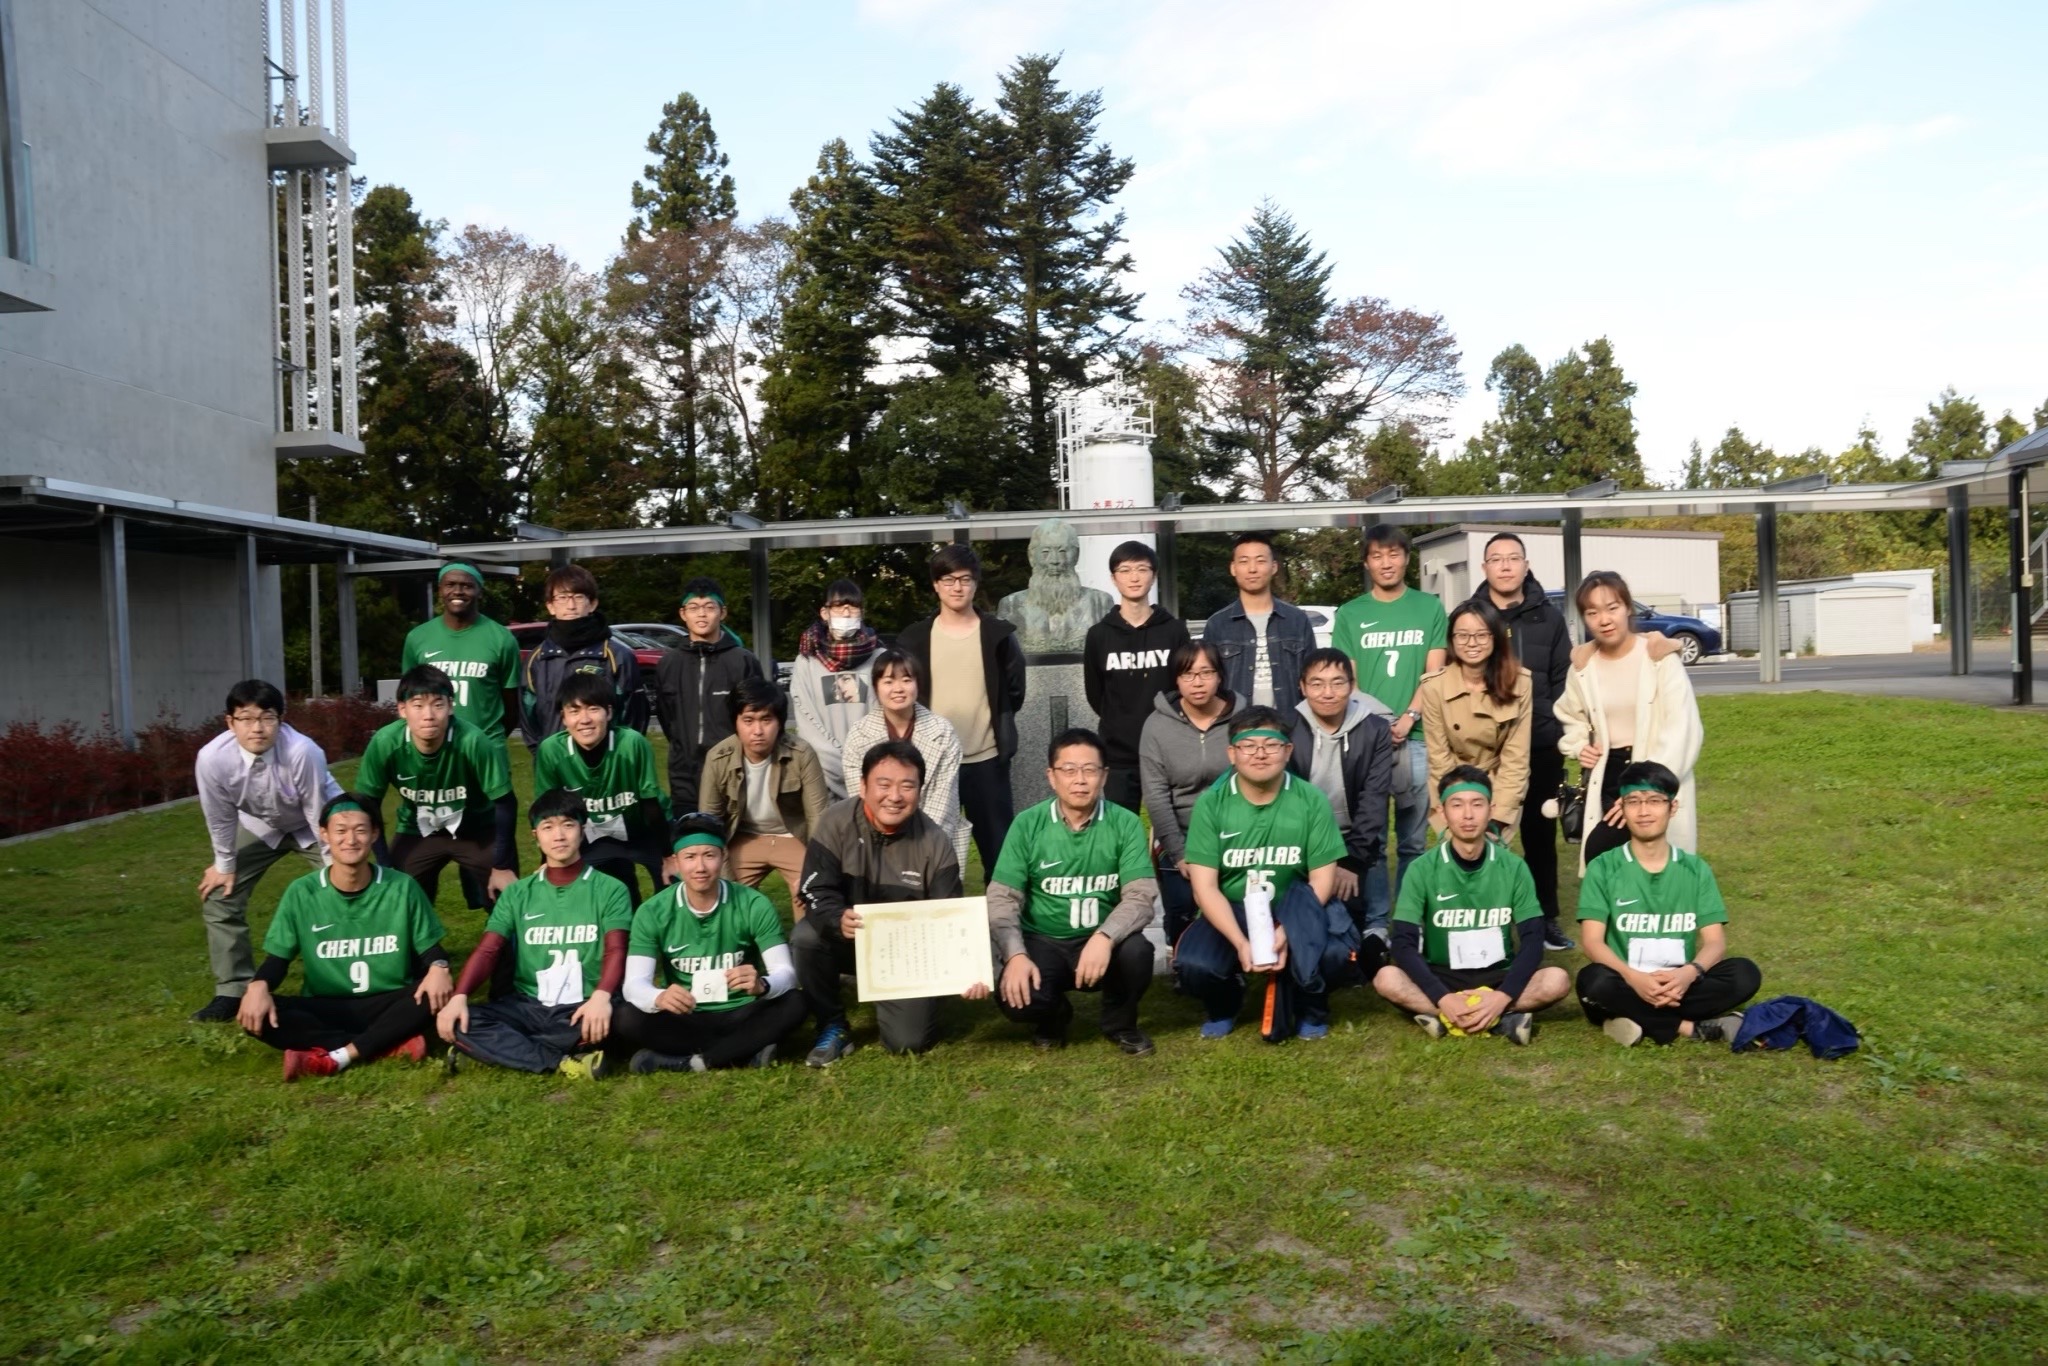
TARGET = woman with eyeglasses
(1184,747)
(1626,700)
(1477,712)
(898,715)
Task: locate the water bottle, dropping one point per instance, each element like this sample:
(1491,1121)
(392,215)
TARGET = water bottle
(1258,920)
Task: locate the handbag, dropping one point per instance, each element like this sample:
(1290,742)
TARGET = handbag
(1568,808)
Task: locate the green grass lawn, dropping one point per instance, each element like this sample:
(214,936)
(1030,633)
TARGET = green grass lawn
(1372,1198)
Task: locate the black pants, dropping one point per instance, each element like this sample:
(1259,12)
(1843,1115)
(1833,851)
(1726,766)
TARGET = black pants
(422,857)
(1374,952)
(723,1038)
(619,859)
(1177,895)
(1605,836)
(985,797)
(907,1026)
(519,1032)
(1123,983)
(1122,787)
(1605,993)
(375,1023)
(1539,832)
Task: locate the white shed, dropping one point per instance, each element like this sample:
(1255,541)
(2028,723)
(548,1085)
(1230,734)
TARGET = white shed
(1830,617)
(1919,597)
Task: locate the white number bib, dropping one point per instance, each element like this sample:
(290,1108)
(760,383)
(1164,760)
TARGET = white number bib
(432,820)
(1474,949)
(708,988)
(612,827)
(560,983)
(1654,955)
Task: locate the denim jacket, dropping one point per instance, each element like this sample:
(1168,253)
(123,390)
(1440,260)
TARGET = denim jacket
(1289,638)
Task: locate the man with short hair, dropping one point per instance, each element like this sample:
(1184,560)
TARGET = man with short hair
(974,677)
(1543,642)
(767,787)
(1123,665)
(1068,900)
(455,802)
(610,770)
(261,785)
(370,947)
(478,654)
(1262,839)
(565,929)
(1395,635)
(693,686)
(579,640)
(1342,745)
(1655,931)
(1451,967)
(873,847)
(1263,639)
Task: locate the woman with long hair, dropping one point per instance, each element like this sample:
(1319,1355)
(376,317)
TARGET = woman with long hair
(830,687)
(1626,700)
(898,715)
(1477,711)
(1184,747)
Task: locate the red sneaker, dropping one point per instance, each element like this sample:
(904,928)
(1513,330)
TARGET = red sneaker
(413,1049)
(307,1062)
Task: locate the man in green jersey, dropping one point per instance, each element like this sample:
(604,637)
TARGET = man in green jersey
(567,927)
(455,802)
(709,979)
(370,946)
(1656,936)
(1262,848)
(1451,967)
(1064,863)
(1395,634)
(611,768)
(479,656)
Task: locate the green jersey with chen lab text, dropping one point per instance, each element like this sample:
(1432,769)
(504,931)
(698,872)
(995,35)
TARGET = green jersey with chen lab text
(683,941)
(622,796)
(558,932)
(482,659)
(354,944)
(1389,644)
(452,789)
(1653,919)
(1271,846)
(1465,915)
(1072,878)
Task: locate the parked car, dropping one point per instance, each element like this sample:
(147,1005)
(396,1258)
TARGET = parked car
(662,635)
(1696,640)
(1321,618)
(646,653)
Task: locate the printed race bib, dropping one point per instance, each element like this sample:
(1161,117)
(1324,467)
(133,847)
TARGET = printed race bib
(1654,955)
(612,827)
(434,820)
(560,983)
(708,988)
(1473,949)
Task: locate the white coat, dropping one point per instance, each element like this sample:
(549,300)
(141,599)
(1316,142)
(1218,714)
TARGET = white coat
(1667,730)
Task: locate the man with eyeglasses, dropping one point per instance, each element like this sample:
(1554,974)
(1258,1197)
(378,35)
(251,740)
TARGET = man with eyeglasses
(1342,744)
(1543,643)
(261,785)
(1654,930)
(579,641)
(1067,901)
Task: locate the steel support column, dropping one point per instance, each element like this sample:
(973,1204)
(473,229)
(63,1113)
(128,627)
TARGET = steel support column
(1573,527)
(764,637)
(1169,567)
(1961,630)
(345,624)
(120,657)
(252,645)
(1769,665)
(2019,533)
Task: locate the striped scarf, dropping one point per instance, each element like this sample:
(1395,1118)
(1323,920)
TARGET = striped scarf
(838,653)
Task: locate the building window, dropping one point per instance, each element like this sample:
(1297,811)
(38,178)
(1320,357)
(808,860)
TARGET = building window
(17,238)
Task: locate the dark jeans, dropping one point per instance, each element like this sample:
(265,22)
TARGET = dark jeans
(1539,832)
(1177,895)
(1604,993)
(1605,836)
(907,1026)
(1123,983)
(1122,787)
(519,1032)
(422,857)
(1209,969)
(618,858)
(1374,951)
(985,797)
(723,1038)
(374,1023)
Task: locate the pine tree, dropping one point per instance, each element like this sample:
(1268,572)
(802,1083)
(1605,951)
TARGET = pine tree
(1953,428)
(1592,427)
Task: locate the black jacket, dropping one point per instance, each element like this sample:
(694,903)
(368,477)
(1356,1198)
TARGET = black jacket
(1367,763)
(850,863)
(1542,641)
(540,677)
(1123,668)
(1002,670)
(692,684)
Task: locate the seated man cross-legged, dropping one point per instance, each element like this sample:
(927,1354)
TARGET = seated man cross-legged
(566,928)
(370,944)
(611,769)
(1451,966)
(1656,930)
(709,979)
(1064,863)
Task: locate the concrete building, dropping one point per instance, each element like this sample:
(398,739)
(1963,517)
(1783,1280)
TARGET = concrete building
(150,359)
(1673,570)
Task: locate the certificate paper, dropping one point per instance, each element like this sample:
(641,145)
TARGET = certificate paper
(908,949)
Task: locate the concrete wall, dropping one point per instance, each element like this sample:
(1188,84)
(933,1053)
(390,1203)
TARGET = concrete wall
(1664,569)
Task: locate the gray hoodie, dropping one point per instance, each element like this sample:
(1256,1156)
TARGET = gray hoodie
(1176,764)
(1326,764)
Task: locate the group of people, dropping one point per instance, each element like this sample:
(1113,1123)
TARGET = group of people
(1267,767)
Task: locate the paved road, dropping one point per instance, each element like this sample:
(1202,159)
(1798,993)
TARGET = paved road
(1916,675)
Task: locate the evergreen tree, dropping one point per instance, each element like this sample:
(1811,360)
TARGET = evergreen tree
(1953,428)
(946,437)
(591,419)
(1517,442)
(2006,430)
(1592,426)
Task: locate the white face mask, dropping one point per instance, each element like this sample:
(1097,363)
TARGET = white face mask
(846,625)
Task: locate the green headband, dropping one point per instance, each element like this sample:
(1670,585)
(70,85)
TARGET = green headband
(345,805)
(718,598)
(1645,787)
(457,566)
(1265,731)
(698,837)
(1455,788)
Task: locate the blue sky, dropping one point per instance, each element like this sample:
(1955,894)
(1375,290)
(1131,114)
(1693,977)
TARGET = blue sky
(1795,215)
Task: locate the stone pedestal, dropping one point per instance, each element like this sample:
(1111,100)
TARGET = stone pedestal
(1054,699)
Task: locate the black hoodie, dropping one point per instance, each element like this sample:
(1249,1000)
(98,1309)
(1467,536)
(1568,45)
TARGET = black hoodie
(692,688)
(1123,668)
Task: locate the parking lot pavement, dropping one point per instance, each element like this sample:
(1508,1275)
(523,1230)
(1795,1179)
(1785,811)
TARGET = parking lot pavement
(1926,674)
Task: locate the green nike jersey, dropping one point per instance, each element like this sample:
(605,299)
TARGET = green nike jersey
(354,945)
(558,932)
(682,942)
(1072,878)
(482,659)
(622,795)
(1389,644)
(1653,919)
(1272,846)
(451,789)
(1465,916)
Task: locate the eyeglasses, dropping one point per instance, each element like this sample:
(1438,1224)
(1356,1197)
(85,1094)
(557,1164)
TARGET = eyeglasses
(1505,559)
(1259,749)
(1077,770)
(1643,801)
(955,581)
(267,719)
(1200,674)
(1472,638)
(571,597)
(1327,685)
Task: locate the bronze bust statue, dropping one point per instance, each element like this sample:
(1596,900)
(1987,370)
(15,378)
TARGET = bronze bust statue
(1052,615)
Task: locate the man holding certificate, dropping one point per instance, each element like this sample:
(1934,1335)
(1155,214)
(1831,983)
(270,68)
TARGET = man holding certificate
(1068,897)
(1262,855)
(876,846)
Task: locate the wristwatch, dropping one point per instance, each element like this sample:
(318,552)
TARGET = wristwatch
(441,963)
(1412,714)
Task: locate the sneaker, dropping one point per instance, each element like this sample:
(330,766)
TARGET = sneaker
(1431,1025)
(764,1058)
(308,1062)
(451,1060)
(647,1060)
(582,1066)
(1720,1029)
(412,1050)
(1132,1041)
(834,1042)
(1555,940)
(217,1011)
(1048,1043)
(1627,1033)
(1305,1030)
(1517,1027)
(1217,1029)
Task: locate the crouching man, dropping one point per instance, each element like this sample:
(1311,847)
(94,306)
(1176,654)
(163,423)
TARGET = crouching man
(1451,967)
(1655,931)
(566,927)
(371,948)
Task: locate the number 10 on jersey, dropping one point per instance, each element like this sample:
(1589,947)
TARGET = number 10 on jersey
(1084,912)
